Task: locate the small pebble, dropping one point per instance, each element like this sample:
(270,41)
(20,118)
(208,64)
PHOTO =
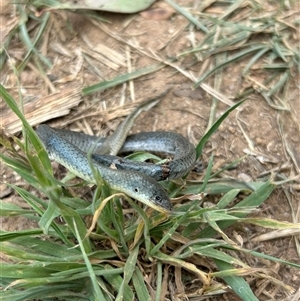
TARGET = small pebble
(243,177)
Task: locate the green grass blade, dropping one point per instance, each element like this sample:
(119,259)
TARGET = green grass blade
(65,291)
(265,256)
(228,198)
(5,236)
(207,175)
(256,198)
(49,215)
(118,222)
(145,226)
(8,209)
(25,247)
(38,204)
(184,264)
(159,281)
(116,281)
(187,15)
(279,84)
(97,292)
(238,284)
(271,223)
(170,232)
(70,216)
(15,270)
(216,254)
(214,127)
(121,79)
(234,58)
(31,46)
(129,269)
(254,59)
(140,286)
(42,154)
(20,168)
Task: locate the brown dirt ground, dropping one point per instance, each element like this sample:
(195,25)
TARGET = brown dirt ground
(183,110)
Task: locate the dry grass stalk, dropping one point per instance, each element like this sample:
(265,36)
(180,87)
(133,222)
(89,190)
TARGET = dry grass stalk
(102,53)
(276,234)
(42,109)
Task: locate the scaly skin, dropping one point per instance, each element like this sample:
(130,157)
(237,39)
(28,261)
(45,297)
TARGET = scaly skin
(133,178)
(114,142)
(135,184)
(164,142)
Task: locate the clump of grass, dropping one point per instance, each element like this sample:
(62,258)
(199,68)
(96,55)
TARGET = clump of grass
(260,41)
(126,255)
